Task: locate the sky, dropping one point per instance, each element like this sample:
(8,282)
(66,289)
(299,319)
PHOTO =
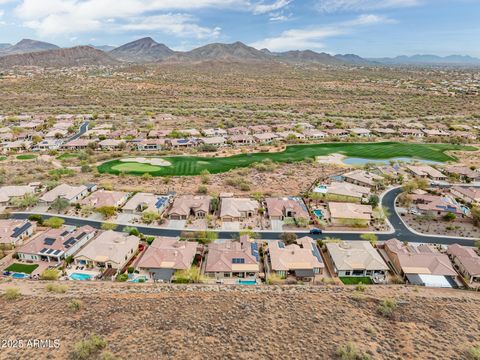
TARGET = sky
(369,28)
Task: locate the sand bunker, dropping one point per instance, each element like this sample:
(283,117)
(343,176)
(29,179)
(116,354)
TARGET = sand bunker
(333,159)
(151,161)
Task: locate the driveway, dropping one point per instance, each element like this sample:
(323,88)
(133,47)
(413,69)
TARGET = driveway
(277,225)
(231,225)
(127,218)
(177,224)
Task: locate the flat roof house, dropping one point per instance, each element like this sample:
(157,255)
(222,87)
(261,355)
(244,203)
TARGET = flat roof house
(233,259)
(141,202)
(165,256)
(302,260)
(236,209)
(471,195)
(288,207)
(357,258)
(56,244)
(101,198)
(65,191)
(109,250)
(13,232)
(467,261)
(185,206)
(421,264)
(345,214)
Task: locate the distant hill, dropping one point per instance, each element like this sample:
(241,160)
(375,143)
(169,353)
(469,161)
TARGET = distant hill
(429,59)
(142,51)
(26,46)
(76,56)
(308,56)
(105,48)
(5,46)
(234,52)
(353,59)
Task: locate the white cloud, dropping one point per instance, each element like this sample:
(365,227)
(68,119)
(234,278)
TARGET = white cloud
(362,5)
(313,38)
(262,8)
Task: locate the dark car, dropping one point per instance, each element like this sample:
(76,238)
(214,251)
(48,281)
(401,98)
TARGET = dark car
(315,232)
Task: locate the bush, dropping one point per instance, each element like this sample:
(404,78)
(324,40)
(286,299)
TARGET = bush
(50,274)
(191,275)
(88,348)
(56,288)
(473,352)
(274,279)
(12,293)
(75,305)
(131,269)
(109,226)
(54,222)
(122,277)
(350,352)
(360,287)
(387,307)
(131,231)
(36,218)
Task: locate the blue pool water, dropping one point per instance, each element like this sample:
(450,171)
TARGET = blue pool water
(246,282)
(19,276)
(137,279)
(78,276)
(318,213)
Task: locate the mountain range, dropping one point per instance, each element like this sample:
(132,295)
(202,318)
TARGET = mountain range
(146,50)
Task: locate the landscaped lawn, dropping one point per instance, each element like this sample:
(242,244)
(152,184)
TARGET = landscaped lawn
(355,280)
(194,165)
(26,157)
(22,268)
(67,156)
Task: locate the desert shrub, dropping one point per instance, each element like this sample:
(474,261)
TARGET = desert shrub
(50,274)
(191,275)
(75,304)
(473,352)
(56,288)
(350,352)
(396,280)
(88,348)
(360,287)
(37,218)
(387,307)
(122,277)
(274,279)
(12,293)
(54,222)
(109,226)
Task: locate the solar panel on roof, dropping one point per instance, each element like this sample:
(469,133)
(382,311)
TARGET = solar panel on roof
(43,250)
(56,252)
(49,251)
(64,233)
(49,241)
(81,235)
(20,230)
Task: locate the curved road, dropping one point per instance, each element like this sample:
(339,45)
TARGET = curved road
(401,232)
(83,129)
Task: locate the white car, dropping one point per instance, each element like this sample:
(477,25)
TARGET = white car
(415,212)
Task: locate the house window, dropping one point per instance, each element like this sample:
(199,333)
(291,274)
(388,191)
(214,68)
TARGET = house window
(347,273)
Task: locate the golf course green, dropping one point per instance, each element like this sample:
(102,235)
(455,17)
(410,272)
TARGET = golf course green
(194,165)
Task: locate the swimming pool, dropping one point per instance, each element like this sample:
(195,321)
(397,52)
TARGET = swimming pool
(79,276)
(20,276)
(318,213)
(138,279)
(246,282)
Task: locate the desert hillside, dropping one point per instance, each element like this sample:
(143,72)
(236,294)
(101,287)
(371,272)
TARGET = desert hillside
(212,322)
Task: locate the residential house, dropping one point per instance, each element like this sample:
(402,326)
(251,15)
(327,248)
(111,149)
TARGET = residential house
(165,256)
(288,207)
(420,264)
(150,144)
(111,144)
(285,135)
(109,250)
(265,137)
(233,259)
(55,245)
(341,133)
(464,172)
(158,134)
(14,232)
(237,209)
(71,193)
(191,132)
(344,190)
(356,258)
(77,144)
(470,195)
(183,143)
(56,134)
(346,214)
(213,132)
(435,132)
(213,141)
(425,171)
(302,259)
(48,144)
(141,202)
(416,133)
(102,198)
(17,145)
(314,134)
(197,206)
(467,261)
(385,132)
(241,139)
(435,204)
(240,130)
(259,129)
(9,193)
(362,178)
(360,132)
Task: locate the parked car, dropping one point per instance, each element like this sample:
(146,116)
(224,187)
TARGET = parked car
(315,232)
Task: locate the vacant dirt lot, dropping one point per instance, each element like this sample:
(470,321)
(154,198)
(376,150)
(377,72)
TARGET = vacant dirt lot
(212,322)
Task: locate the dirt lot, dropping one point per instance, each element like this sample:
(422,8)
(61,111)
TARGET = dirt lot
(212,322)
(442,227)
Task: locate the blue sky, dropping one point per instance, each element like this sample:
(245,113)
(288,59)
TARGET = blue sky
(369,28)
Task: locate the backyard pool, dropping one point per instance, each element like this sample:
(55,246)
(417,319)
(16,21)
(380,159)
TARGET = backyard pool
(20,276)
(318,213)
(246,282)
(79,276)
(138,279)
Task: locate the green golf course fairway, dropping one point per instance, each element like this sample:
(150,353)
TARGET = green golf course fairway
(194,165)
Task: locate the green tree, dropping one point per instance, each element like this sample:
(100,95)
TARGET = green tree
(108,226)
(374,200)
(149,217)
(27,200)
(288,238)
(372,238)
(107,211)
(59,204)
